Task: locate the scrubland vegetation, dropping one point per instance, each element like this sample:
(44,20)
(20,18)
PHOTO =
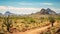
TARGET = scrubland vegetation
(24,23)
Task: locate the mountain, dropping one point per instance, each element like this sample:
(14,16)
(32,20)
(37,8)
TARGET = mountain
(50,11)
(43,11)
(8,13)
(46,11)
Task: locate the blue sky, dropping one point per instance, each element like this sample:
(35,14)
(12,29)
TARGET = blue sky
(28,6)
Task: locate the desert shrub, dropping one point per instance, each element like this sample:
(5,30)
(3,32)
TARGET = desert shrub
(51,30)
(41,18)
(58,18)
(29,20)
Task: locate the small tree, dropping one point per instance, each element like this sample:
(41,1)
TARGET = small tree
(7,22)
(52,20)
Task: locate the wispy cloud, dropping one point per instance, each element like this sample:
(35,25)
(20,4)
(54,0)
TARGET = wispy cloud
(25,3)
(46,3)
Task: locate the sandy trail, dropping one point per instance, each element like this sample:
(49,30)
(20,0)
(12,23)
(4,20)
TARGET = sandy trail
(34,31)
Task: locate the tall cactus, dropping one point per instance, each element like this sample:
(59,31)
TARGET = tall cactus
(7,22)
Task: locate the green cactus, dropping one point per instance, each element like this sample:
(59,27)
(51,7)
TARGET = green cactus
(7,22)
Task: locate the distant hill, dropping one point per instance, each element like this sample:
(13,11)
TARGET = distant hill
(46,11)
(8,13)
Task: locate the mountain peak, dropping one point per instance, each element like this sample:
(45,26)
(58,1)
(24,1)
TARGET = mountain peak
(43,11)
(50,11)
(7,12)
(47,11)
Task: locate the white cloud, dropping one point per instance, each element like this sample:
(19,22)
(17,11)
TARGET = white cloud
(17,10)
(3,7)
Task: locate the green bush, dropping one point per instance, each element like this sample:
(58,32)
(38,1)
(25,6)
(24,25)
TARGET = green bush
(52,20)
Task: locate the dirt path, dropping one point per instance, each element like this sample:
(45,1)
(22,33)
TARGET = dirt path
(34,31)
